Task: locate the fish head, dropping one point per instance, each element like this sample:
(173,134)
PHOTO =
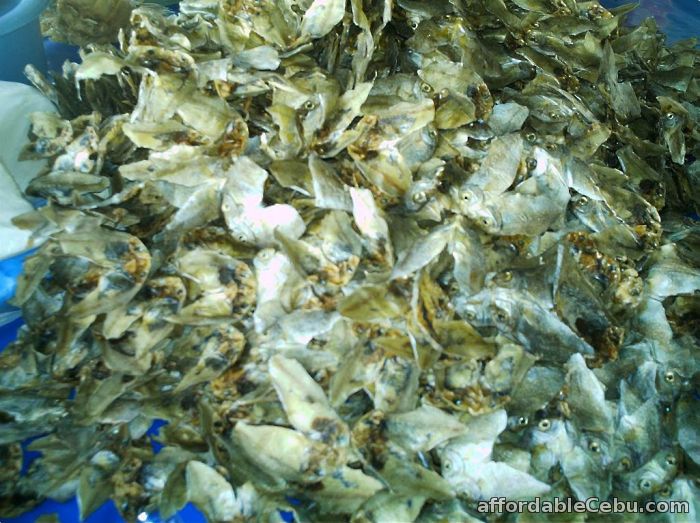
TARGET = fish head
(475,310)
(469,198)
(503,308)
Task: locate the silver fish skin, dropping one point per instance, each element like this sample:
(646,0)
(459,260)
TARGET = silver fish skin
(517,316)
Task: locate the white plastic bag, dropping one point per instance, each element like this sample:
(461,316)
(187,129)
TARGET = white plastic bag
(17,102)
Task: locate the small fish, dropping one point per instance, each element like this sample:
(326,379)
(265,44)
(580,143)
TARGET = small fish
(518,317)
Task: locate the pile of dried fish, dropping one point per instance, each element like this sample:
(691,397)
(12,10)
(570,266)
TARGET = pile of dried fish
(370,262)
(81,22)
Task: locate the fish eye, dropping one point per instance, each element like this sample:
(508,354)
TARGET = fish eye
(671,460)
(626,463)
(670,116)
(594,446)
(583,200)
(507,276)
(470,315)
(645,484)
(669,377)
(522,421)
(309,105)
(432,133)
(419,197)
(666,491)
(444,93)
(545,424)
(553,115)
(426,88)
(530,137)
(531,164)
(414,25)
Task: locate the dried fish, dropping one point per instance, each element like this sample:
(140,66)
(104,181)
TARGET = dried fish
(370,261)
(519,317)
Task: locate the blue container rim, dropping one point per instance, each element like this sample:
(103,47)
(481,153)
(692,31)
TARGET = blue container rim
(21,14)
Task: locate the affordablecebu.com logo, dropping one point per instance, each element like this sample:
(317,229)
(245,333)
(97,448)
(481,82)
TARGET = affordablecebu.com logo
(570,505)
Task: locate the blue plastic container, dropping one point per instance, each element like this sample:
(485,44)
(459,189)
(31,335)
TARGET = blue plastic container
(679,19)
(20,38)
